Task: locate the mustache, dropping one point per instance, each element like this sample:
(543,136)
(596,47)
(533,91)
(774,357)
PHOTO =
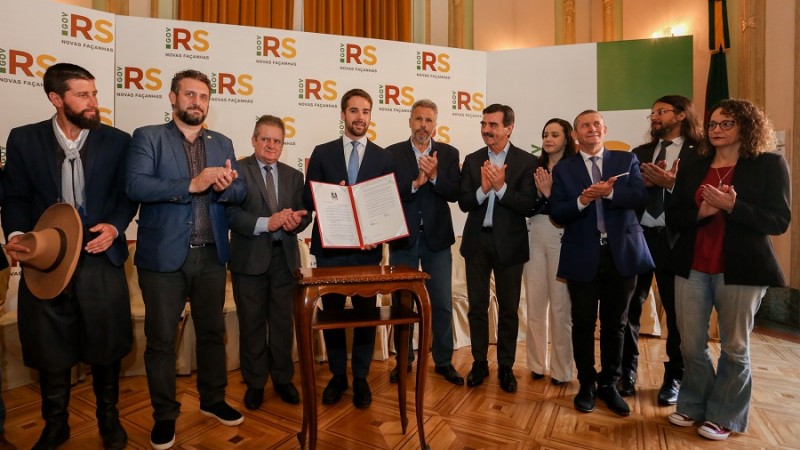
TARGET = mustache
(488,134)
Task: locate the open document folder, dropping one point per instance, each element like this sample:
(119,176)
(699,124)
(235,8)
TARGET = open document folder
(363,214)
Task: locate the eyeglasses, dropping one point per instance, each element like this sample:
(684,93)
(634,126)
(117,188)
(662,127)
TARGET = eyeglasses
(725,125)
(659,112)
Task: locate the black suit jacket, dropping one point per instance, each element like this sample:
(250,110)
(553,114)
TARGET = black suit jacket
(251,254)
(33,181)
(3,259)
(510,230)
(327,165)
(762,208)
(429,204)
(645,154)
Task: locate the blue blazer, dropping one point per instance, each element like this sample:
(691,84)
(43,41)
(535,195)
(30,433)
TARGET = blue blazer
(158,177)
(32,181)
(430,203)
(327,165)
(580,245)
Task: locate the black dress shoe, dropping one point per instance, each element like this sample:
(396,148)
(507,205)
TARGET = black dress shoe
(614,401)
(111,432)
(555,382)
(668,394)
(52,437)
(362,396)
(394,377)
(253,398)
(288,393)
(584,401)
(508,382)
(536,376)
(480,370)
(333,391)
(627,385)
(450,374)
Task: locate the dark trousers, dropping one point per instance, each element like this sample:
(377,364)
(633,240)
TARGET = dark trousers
(335,340)
(201,282)
(439,265)
(508,283)
(90,321)
(613,292)
(266,326)
(658,244)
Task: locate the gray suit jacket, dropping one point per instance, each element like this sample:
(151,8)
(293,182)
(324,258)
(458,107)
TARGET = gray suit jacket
(250,254)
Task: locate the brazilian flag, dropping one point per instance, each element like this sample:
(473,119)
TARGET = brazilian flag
(718,42)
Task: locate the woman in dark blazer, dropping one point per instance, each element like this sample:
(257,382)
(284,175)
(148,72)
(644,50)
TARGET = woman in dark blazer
(724,207)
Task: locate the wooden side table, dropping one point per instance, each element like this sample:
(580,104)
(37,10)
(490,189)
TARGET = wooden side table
(365,281)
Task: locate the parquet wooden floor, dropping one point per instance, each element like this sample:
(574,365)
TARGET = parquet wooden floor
(538,416)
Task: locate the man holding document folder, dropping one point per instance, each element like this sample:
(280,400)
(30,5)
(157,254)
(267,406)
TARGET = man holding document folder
(348,160)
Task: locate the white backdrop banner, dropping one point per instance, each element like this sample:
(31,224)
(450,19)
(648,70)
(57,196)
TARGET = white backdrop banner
(301,77)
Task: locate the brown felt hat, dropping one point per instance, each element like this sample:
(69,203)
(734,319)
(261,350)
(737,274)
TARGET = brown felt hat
(55,245)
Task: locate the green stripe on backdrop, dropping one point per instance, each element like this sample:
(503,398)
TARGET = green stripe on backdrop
(632,74)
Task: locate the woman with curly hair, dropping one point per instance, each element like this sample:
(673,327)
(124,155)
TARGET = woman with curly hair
(725,206)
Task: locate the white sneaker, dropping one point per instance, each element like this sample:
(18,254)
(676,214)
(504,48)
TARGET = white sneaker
(710,430)
(681,420)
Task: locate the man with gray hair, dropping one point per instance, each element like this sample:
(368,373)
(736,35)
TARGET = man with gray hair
(428,178)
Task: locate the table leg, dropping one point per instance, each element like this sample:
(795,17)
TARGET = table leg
(402,376)
(424,310)
(304,315)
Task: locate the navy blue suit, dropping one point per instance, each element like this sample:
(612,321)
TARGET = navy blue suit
(600,270)
(170,270)
(91,321)
(327,164)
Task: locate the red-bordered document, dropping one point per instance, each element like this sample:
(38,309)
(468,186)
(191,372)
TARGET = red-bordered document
(363,214)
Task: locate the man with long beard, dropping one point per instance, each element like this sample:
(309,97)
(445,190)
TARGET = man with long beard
(75,159)
(348,160)
(184,176)
(675,131)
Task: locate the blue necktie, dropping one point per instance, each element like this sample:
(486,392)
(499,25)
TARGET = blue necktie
(596,178)
(352,165)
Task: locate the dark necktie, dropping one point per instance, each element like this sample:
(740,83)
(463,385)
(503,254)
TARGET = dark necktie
(596,178)
(352,165)
(655,206)
(272,196)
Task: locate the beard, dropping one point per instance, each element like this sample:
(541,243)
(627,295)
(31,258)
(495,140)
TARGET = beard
(351,128)
(663,130)
(421,137)
(188,119)
(80,120)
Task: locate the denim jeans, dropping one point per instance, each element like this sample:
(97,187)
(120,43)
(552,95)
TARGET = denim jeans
(439,265)
(722,397)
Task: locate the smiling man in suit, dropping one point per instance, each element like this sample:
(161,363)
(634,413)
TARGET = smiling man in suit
(347,160)
(184,176)
(74,158)
(497,191)
(428,179)
(264,255)
(675,133)
(595,196)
